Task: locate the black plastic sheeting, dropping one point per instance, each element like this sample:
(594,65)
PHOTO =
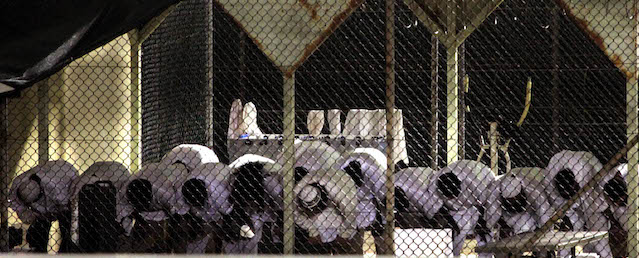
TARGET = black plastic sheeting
(38,38)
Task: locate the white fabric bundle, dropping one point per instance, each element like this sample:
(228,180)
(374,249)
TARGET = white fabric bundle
(315,122)
(164,180)
(235,120)
(357,122)
(55,180)
(249,120)
(334,121)
(191,155)
(110,171)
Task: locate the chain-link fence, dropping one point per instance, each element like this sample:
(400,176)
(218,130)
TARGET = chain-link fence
(409,127)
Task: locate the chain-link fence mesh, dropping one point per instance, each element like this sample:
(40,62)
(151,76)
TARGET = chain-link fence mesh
(414,127)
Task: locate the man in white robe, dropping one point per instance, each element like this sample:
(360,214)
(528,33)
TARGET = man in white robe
(40,196)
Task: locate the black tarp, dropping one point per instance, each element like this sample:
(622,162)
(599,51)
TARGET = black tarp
(38,38)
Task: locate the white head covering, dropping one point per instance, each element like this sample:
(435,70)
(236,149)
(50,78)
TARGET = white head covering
(373,167)
(163,180)
(191,155)
(272,176)
(509,187)
(584,165)
(475,180)
(216,177)
(334,221)
(414,182)
(113,172)
(55,179)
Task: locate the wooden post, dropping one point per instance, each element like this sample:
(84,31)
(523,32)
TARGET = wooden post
(288,180)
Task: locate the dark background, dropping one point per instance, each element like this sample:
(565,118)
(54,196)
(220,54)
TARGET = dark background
(578,94)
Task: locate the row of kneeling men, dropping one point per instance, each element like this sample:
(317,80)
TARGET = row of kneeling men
(189,202)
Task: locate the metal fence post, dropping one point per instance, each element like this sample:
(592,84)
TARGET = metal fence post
(6,179)
(390,112)
(632,121)
(434,101)
(288,180)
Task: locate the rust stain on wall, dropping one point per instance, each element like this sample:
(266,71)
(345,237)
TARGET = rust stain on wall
(310,48)
(598,40)
(312,8)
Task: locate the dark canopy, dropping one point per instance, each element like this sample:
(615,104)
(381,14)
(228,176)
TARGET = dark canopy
(37,38)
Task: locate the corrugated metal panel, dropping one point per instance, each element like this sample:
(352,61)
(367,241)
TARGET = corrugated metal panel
(289,31)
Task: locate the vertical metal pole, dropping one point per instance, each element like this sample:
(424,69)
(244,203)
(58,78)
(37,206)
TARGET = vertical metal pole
(288,180)
(210,108)
(452,110)
(6,179)
(134,144)
(452,85)
(632,121)
(434,101)
(43,121)
(462,100)
(555,80)
(494,155)
(389,229)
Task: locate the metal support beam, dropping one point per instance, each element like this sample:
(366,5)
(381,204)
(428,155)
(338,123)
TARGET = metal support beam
(5,179)
(452,84)
(288,179)
(389,229)
(452,105)
(135,109)
(434,102)
(632,122)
